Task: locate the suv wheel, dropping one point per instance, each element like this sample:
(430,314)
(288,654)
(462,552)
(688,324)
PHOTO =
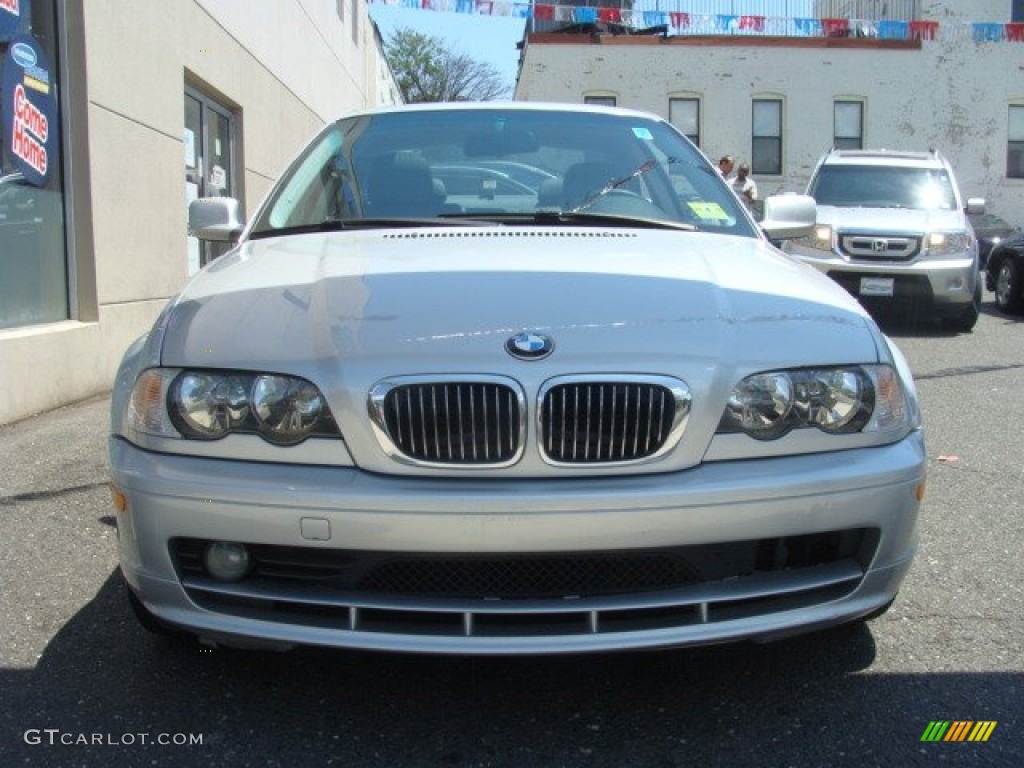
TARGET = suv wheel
(1008,289)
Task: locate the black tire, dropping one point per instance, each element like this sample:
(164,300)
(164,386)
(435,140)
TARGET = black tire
(1008,289)
(967,318)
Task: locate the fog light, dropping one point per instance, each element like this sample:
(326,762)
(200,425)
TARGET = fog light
(955,284)
(227,561)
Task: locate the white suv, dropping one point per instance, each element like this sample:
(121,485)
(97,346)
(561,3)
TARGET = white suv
(892,229)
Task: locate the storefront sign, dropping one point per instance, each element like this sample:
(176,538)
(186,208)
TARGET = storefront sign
(29,110)
(11,17)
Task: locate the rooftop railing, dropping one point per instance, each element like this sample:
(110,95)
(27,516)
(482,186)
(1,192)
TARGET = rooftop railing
(716,17)
(881,19)
(868,10)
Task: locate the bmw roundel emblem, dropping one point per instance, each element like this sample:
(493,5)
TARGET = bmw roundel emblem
(529,346)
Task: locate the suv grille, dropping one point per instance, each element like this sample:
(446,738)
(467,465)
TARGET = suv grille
(872,247)
(478,422)
(588,422)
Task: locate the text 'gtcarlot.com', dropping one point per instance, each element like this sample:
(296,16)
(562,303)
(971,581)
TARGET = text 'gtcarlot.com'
(55,736)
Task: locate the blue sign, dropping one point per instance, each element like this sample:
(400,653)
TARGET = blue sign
(29,110)
(14,18)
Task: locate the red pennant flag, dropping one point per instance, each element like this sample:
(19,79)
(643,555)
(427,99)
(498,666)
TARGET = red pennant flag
(1015,32)
(544,12)
(836,27)
(755,23)
(680,20)
(609,15)
(923,30)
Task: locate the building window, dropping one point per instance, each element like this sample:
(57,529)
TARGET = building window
(684,114)
(601,101)
(34,286)
(849,125)
(1015,143)
(210,149)
(1017,12)
(766,144)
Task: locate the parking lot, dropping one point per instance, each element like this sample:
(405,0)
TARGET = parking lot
(82,684)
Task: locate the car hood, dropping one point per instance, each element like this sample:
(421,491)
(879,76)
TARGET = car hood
(346,310)
(449,298)
(889,220)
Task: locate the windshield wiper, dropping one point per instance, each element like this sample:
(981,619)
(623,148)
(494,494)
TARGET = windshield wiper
(613,185)
(327,225)
(336,225)
(554,216)
(578,216)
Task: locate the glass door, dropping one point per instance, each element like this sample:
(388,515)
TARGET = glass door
(209,164)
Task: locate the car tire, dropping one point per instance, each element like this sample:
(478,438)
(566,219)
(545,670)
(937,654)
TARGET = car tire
(967,318)
(1008,289)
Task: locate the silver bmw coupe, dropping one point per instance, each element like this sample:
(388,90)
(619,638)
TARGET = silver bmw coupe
(511,379)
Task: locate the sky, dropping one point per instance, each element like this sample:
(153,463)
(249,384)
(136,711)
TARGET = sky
(493,39)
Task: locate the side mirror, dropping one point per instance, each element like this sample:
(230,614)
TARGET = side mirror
(215,218)
(976,205)
(789,216)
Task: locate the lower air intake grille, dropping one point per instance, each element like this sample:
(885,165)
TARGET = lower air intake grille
(535,576)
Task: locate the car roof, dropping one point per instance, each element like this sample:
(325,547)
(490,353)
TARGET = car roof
(505,106)
(885,157)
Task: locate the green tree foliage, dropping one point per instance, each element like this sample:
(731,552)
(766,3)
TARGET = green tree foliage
(426,70)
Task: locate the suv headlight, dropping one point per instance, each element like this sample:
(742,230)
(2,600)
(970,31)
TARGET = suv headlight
(820,239)
(956,244)
(208,405)
(836,400)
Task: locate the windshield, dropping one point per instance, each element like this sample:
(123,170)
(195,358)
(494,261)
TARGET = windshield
(860,186)
(451,166)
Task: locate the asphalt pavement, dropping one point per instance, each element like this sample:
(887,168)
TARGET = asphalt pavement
(82,685)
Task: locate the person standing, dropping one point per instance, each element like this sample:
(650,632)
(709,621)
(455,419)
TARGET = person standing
(725,165)
(744,186)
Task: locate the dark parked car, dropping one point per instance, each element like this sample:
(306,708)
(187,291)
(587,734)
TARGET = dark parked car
(990,230)
(1003,274)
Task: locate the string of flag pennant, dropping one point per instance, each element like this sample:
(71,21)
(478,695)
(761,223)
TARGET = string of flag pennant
(681,23)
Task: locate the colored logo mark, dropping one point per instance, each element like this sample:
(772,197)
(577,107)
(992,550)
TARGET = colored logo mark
(23,55)
(958,730)
(529,346)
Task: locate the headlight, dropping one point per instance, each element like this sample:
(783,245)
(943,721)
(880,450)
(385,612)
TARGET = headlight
(207,405)
(287,409)
(819,240)
(839,400)
(760,405)
(949,243)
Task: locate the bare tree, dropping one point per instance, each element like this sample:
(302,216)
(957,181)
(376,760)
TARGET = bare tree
(427,70)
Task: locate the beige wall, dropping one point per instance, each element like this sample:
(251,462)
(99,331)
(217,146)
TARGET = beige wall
(953,96)
(285,66)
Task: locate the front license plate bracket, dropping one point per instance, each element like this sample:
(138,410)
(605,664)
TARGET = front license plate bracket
(876,286)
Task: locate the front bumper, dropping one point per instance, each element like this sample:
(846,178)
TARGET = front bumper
(945,283)
(324,510)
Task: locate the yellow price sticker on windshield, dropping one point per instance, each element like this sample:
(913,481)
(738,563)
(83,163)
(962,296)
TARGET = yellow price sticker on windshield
(706,210)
